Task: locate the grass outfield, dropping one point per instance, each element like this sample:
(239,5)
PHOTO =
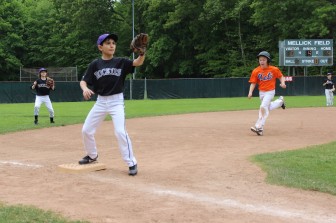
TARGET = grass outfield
(18,117)
(309,168)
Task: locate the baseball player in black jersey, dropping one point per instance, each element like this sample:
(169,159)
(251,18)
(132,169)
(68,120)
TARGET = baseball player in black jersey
(106,76)
(329,89)
(42,95)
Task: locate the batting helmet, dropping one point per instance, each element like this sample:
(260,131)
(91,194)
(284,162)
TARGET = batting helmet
(42,69)
(265,54)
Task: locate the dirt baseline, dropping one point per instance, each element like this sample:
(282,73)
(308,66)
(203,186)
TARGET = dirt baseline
(192,168)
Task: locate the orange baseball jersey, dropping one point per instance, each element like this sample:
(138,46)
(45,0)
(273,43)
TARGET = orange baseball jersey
(265,78)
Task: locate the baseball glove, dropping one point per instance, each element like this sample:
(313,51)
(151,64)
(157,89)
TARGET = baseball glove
(139,43)
(50,82)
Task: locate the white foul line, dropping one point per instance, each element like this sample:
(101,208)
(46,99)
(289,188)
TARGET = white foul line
(252,208)
(18,164)
(262,209)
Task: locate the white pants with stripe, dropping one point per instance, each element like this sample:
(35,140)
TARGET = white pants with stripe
(112,105)
(329,96)
(266,106)
(46,100)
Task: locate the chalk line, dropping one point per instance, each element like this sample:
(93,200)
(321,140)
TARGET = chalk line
(19,164)
(223,202)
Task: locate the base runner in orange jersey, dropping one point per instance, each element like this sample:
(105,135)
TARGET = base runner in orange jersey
(265,77)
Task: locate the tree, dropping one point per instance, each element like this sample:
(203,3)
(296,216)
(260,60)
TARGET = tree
(205,38)
(227,36)
(293,19)
(11,41)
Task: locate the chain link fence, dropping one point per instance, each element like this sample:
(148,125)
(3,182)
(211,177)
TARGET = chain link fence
(65,74)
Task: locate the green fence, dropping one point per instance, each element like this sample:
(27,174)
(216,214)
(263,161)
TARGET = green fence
(20,92)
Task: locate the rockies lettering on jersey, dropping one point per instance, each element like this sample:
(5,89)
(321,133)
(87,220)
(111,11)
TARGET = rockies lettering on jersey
(42,88)
(107,77)
(107,71)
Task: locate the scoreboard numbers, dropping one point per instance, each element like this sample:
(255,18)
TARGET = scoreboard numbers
(306,52)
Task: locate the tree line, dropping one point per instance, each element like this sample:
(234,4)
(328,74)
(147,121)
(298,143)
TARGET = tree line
(188,39)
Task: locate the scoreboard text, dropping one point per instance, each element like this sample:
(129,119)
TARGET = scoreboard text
(309,52)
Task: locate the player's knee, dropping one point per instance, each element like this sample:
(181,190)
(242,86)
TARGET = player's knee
(263,109)
(87,131)
(120,132)
(84,131)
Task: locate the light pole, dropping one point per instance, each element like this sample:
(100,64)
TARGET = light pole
(133,32)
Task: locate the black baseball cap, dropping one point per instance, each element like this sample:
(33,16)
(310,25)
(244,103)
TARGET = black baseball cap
(329,73)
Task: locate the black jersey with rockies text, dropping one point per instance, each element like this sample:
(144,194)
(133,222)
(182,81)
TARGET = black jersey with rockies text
(329,84)
(107,77)
(41,87)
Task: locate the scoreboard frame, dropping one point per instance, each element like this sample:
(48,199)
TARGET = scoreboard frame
(306,52)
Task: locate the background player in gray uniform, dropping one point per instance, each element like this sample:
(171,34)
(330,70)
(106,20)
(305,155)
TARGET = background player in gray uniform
(42,95)
(329,89)
(107,75)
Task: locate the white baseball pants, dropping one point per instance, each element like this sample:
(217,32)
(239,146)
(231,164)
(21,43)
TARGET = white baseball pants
(114,106)
(330,97)
(46,100)
(266,106)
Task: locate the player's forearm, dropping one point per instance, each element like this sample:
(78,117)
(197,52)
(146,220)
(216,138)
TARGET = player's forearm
(34,85)
(282,80)
(83,85)
(139,61)
(252,86)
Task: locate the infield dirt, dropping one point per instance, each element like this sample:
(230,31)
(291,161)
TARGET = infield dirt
(192,168)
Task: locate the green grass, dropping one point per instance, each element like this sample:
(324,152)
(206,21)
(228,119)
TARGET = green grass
(29,214)
(19,117)
(309,168)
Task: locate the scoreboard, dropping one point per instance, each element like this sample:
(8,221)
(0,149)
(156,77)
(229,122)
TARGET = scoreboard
(306,52)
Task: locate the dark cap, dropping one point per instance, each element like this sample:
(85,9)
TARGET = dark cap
(103,37)
(264,54)
(42,69)
(329,73)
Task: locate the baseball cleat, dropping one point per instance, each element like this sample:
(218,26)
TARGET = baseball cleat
(259,131)
(36,122)
(283,106)
(133,170)
(87,160)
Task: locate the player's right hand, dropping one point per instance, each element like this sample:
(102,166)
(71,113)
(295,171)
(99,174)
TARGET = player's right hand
(249,95)
(87,93)
(283,85)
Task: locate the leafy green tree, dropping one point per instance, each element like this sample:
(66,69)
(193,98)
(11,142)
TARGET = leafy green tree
(293,19)
(81,23)
(226,48)
(11,39)
(39,30)
(205,38)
